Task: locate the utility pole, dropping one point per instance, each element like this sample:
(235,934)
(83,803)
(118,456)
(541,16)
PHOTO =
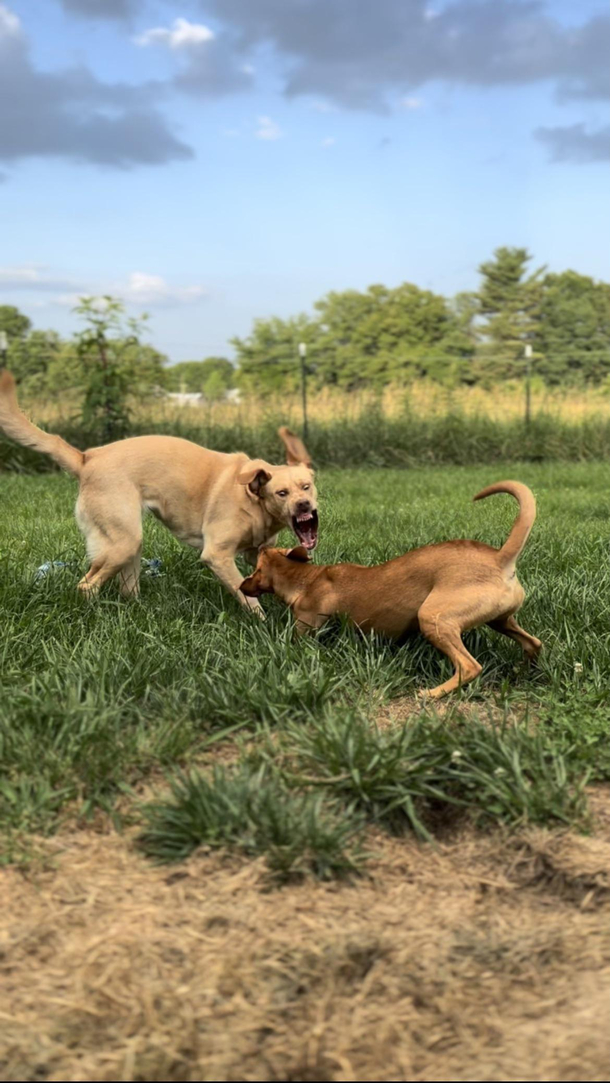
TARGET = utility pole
(528,385)
(303,355)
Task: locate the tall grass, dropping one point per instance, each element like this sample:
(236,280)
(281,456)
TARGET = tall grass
(374,439)
(422,425)
(423,398)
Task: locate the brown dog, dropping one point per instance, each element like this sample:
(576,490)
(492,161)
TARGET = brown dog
(220,504)
(440,590)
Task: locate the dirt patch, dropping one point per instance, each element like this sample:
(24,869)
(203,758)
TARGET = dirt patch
(403,709)
(484,959)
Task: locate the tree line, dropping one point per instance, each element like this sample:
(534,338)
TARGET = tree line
(355,339)
(381,335)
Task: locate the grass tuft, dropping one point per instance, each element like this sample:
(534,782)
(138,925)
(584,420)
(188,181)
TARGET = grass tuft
(299,834)
(427,770)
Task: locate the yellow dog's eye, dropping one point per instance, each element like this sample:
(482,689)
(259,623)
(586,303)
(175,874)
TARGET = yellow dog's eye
(282,492)
(305,486)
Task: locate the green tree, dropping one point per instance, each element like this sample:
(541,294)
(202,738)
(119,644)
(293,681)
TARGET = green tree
(360,339)
(461,340)
(30,357)
(342,341)
(101,348)
(144,367)
(268,359)
(66,371)
(573,340)
(385,335)
(192,376)
(509,299)
(214,388)
(13,322)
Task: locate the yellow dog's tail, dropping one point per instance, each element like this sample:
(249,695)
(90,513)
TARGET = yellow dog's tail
(523,523)
(17,427)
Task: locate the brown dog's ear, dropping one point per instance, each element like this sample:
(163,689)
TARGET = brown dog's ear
(254,475)
(299,553)
(296,452)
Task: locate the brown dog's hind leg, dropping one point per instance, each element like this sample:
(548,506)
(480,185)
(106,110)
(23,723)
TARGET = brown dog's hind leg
(445,634)
(507,626)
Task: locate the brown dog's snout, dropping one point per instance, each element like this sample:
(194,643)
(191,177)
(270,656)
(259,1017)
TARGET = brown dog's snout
(303,506)
(248,587)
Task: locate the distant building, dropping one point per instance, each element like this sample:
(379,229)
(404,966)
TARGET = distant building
(196,398)
(186,398)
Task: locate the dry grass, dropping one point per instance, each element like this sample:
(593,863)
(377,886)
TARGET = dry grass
(424,398)
(487,958)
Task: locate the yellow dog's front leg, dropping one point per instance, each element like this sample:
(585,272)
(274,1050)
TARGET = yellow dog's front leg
(224,567)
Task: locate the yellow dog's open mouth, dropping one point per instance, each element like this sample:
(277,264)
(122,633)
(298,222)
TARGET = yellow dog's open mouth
(305,527)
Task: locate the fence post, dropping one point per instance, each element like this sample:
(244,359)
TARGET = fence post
(528,386)
(303,355)
(3,348)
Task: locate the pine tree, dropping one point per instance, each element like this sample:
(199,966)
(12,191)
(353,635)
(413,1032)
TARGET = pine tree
(510,300)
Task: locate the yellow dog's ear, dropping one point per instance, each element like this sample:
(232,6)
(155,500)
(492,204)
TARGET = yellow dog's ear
(254,475)
(299,553)
(296,452)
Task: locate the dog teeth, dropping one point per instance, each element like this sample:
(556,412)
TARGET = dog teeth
(304,518)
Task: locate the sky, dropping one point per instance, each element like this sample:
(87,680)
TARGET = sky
(215,161)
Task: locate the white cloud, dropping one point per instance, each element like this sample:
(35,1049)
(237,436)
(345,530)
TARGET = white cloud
(180,35)
(10,27)
(411,103)
(141,289)
(146,289)
(31,277)
(329,141)
(268,129)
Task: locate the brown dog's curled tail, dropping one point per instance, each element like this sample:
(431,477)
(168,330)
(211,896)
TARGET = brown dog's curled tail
(17,427)
(523,523)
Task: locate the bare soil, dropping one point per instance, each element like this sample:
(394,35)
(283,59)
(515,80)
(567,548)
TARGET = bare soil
(484,958)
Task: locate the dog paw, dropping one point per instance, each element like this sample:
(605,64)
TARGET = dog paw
(430,695)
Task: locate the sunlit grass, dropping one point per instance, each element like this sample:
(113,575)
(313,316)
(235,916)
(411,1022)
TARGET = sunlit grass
(97,696)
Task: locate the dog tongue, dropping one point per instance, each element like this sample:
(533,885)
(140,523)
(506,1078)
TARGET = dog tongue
(307,536)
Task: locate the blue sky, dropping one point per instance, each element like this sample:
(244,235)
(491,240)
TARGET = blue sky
(248,158)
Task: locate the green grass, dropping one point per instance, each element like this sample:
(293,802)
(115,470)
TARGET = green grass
(421,774)
(254,810)
(95,696)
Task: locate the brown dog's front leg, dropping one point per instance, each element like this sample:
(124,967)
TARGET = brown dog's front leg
(306,623)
